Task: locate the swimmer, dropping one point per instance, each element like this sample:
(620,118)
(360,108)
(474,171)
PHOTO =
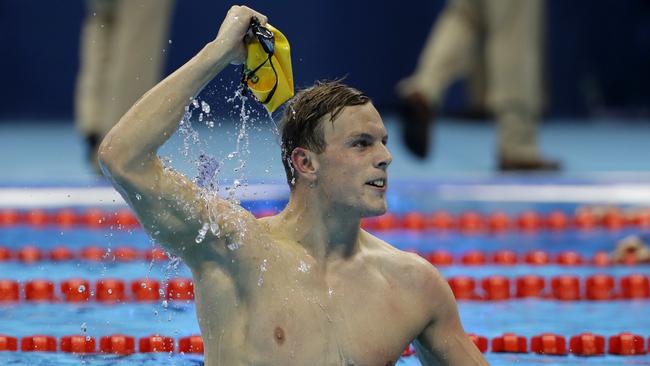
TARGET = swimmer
(632,249)
(307,286)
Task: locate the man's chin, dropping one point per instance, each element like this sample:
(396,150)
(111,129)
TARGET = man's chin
(372,212)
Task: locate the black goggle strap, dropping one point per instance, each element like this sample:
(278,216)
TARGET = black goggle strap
(246,75)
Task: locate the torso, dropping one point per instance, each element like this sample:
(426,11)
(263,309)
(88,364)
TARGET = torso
(283,308)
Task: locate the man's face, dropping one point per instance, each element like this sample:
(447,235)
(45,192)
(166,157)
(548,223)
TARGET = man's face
(352,170)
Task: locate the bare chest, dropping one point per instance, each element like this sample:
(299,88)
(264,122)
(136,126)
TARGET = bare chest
(299,318)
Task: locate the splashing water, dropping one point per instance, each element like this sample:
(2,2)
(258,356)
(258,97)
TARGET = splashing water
(263,268)
(209,168)
(303,267)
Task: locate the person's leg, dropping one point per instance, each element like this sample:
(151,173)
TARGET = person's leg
(96,36)
(446,56)
(514,67)
(447,53)
(138,50)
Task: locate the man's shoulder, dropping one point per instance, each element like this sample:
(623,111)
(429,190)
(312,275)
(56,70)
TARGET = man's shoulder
(408,267)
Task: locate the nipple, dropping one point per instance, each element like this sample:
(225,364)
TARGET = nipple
(279,335)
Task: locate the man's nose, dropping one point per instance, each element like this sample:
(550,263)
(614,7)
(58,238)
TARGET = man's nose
(384,159)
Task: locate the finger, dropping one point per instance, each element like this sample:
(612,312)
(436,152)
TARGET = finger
(261,17)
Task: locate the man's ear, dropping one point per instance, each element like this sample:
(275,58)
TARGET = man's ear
(304,163)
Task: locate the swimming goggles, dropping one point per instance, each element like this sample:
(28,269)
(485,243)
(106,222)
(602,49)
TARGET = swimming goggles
(267,41)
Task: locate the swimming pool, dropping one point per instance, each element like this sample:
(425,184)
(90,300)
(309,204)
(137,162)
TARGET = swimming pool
(30,240)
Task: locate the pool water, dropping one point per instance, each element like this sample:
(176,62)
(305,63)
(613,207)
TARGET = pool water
(525,317)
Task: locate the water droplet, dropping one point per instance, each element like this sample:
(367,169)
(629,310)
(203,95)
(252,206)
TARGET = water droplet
(138,196)
(202,232)
(205,107)
(303,267)
(81,288)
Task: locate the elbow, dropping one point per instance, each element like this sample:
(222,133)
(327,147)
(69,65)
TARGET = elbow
(109,159)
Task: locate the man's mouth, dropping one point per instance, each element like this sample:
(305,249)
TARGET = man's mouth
(379,183)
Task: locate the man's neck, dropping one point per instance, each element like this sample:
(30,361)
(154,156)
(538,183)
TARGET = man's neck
(326,232)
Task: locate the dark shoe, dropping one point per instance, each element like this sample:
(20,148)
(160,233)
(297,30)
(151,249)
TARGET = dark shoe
(538,165)
(417,119)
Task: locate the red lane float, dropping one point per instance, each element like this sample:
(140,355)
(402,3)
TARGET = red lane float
(600,287)
(38,343)
(569,258)
(548,344)
(587,344)
(118,344)
(78,344)
(635,286)
(510,343)
(441,220)
(473,258)
(530,221)
(180,289)
(5,254)
(156,343)
(463,287)
(39,291)
(504,258)
(75,290)
(145,289)
(566,288)
(584,344)
(30,254)
(530,286)
(471,222)
(626,344)
(93,253)
(110,290)
(9,291)
(37,218)
(94,218)
(467,222)
(557,221)
(498,222)
(8,343)
(60,254)
(65,218)
(440,258)
(9,217)
(496,288)
(125,254)
(537,258)
(191,344)
(415,221)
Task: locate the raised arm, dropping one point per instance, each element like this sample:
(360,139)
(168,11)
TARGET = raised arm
(443,341)
(171,208)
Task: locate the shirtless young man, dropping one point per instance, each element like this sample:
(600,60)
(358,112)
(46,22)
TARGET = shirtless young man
(330,293)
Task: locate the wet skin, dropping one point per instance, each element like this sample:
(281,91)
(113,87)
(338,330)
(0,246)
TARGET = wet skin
(304,287)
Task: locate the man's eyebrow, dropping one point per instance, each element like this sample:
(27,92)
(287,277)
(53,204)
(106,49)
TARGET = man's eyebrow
(365,135)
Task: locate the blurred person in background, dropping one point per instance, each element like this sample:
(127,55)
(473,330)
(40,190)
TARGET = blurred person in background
(122,56)
(511,33)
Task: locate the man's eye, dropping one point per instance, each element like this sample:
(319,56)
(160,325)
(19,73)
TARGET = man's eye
(361,143)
